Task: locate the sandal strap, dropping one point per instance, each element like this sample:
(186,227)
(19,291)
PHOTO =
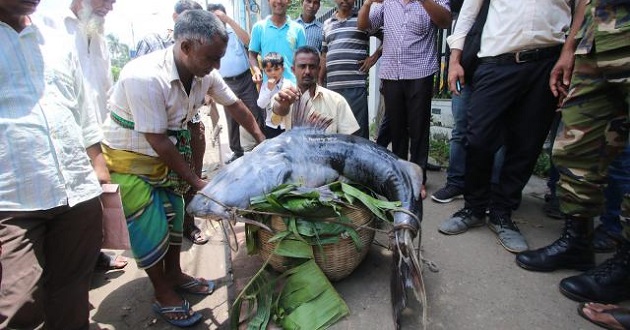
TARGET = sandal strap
(184,308)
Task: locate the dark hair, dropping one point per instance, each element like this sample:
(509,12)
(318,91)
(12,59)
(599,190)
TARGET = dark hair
(216,6)
(273,59)
(306,50)
(182,5)
(200,25)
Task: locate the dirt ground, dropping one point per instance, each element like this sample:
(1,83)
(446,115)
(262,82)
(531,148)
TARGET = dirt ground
(478,285)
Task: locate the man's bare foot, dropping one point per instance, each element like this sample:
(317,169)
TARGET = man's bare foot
(606,316)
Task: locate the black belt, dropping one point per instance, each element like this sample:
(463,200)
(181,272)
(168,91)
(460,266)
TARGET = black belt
(237,77)
(523,56)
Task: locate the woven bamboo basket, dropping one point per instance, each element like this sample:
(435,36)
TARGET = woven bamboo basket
(336,260)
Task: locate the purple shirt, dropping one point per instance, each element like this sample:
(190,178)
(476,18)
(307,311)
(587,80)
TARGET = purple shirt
(409,39)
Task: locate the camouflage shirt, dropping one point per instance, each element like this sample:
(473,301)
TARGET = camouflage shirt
(604,22)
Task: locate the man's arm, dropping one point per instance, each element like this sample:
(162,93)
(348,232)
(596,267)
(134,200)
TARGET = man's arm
(98,163)
(168,153)
(440,16)
(244,117)
(363,17)
(560,77)
(369,61)
(253,62)
(322,69)
(240,33)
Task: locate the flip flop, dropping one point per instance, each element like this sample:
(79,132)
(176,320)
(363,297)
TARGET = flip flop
(191,320)
(196,237)
(106,262)
(189,287)
(620,314)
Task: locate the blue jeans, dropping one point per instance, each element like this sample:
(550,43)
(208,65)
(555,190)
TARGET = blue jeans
(618,186)
(457,156)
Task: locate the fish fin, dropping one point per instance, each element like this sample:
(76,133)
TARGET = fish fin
(406,274)
(303,114)
(415,173)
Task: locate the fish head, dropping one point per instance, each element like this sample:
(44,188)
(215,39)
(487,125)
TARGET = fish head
(204,206)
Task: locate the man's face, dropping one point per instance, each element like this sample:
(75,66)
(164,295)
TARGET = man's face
(201,58)
(279,7)
(345,4)
(274,71)
(310,7)
(18,7)
(102,7)
(306,69)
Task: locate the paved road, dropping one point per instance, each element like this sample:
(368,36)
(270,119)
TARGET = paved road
(478,285)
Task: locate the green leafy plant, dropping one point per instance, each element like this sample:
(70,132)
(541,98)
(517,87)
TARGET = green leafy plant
(312,216)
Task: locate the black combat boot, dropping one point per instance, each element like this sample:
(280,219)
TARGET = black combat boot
(607,283)
(573,250)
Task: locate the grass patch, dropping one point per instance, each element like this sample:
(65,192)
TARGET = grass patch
(439,148)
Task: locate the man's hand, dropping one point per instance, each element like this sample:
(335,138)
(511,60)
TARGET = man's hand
(287,96)
(98,163)
(455,74)
(560,77)
(221,16)
(368,62)
(256,75)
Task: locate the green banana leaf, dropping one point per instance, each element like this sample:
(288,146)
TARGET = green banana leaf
(308,299)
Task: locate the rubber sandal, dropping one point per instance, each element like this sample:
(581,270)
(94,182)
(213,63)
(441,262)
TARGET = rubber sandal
(196,237)
(189,287)
(620,314)
(184,308)
(106,262)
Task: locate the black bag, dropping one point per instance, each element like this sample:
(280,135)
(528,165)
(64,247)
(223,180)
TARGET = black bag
(472,44)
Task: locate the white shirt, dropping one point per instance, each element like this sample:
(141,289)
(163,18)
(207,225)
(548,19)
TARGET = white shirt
(45,122)
(94,58)
(264,99)
(150,94)
(513,26)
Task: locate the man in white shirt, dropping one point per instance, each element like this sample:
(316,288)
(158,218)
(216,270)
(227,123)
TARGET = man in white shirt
(85,22)
(51,165)
(511,105)
(147,148)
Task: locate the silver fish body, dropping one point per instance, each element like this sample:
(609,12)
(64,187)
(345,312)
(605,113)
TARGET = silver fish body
(313,159)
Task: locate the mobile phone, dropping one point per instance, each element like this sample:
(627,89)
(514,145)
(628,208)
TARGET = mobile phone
(458,86)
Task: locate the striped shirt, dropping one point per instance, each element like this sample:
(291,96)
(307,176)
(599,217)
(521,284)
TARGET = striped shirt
(46,123)
(409,39)
(314,33)
(344,46)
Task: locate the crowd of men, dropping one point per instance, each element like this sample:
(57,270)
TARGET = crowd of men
(67,128)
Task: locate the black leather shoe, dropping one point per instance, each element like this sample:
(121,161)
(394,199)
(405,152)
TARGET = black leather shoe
(607,283)
(604,241)
(573,250)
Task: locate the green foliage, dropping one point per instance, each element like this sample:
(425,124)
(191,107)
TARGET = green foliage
(542,164)
(313,217)
(119,53)
(439,148)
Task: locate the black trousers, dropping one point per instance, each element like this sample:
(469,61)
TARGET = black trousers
(245,89)
(511,104)
(408,112)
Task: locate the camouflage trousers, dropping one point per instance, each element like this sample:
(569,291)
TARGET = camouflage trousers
(596,122)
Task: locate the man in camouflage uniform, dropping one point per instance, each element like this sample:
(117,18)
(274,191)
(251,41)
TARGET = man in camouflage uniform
(595,61)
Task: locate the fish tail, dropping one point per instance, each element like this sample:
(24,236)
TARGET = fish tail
(406,274)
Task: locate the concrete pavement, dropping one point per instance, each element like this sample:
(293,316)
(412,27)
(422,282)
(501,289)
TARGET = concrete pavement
(478,285)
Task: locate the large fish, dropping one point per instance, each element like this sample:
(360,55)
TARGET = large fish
(313,158)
